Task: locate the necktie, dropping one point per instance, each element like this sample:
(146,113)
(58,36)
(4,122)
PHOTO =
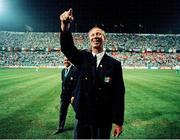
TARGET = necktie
(94,70)
(95,60)
(66,72)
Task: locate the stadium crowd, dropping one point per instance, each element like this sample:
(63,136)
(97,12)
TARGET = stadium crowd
(42,49)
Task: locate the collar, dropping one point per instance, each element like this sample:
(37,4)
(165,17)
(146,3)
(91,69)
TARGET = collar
(99,55)
(68,68)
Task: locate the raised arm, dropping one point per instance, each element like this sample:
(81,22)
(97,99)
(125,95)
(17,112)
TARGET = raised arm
(66,18)
(66,40)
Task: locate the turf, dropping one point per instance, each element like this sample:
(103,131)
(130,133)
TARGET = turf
(29,104)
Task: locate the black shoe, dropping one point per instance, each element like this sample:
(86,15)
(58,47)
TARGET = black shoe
(58,131)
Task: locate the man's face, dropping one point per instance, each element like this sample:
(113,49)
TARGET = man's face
(66,62)
(97,38)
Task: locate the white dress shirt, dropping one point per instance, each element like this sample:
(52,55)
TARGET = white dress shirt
(67,70)
(99,57)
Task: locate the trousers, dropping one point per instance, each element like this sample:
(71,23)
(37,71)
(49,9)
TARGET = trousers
(83,130)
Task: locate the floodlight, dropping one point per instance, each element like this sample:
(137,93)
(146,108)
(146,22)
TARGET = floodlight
(1,6)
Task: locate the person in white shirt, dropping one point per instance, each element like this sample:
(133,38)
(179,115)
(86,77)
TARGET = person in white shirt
(100,85)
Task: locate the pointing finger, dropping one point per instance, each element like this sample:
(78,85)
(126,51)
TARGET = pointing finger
(70,12)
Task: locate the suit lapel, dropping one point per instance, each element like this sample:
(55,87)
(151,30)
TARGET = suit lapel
(69,72)
(103,62)
(105,67)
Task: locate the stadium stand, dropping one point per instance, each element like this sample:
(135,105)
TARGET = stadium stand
(133,50)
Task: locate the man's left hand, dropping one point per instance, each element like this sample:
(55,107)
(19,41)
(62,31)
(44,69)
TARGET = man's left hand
(72,99)
(117,130)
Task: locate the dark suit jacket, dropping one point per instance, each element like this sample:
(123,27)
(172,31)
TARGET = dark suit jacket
(68,83)
(101,91)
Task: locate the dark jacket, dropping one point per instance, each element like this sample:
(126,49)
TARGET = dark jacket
(68,83)
(101,90)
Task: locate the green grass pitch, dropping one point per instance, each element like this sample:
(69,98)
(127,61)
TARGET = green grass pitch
(29,104)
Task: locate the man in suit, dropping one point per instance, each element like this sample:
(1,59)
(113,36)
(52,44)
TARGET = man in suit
(100,84)
(69,79)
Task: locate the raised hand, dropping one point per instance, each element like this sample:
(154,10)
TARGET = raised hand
(66,18)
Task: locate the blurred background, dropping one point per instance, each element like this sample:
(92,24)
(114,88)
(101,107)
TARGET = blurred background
(124,16)
(144,35)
